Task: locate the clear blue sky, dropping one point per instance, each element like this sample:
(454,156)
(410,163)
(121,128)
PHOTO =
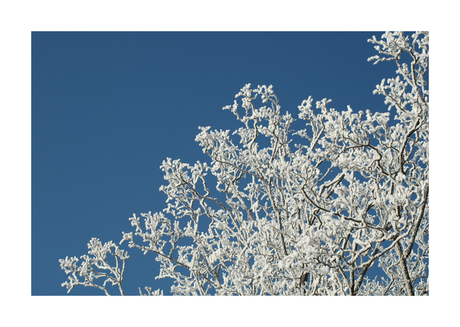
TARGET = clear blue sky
(107,108)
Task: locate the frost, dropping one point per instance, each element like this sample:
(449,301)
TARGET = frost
(284,211)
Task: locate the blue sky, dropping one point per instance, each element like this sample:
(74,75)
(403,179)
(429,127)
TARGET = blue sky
(108,108)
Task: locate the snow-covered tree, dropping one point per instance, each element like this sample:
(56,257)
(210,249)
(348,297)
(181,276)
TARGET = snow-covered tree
(337,207)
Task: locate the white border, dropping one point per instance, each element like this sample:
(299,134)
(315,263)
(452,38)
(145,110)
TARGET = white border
(22,17)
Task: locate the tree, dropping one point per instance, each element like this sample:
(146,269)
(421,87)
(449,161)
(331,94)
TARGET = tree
(270,216)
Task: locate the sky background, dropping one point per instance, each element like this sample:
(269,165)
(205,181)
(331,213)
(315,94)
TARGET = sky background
(108,108)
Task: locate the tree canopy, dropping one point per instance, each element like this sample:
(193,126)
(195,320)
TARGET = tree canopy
(338,206)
